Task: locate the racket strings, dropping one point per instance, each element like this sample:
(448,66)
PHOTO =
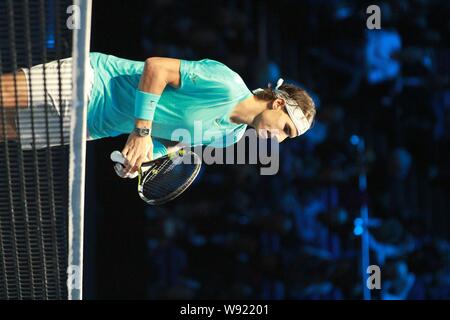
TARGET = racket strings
(158,188)
(168,164)
(159,168)
(168,179)
(161,181)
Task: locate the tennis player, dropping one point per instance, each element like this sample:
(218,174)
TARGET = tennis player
(150,100)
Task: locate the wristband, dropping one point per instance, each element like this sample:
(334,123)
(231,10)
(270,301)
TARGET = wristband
(145,105)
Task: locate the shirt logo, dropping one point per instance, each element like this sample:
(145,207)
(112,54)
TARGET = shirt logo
(217,122)
(193,78)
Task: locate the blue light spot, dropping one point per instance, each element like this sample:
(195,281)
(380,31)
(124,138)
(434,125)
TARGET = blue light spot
(50,24)
(50,42)
(427,61)
(354,140)
(358,230)
(198,240)
(362,182)
(343,13)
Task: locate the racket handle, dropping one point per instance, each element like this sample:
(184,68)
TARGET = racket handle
(117,156)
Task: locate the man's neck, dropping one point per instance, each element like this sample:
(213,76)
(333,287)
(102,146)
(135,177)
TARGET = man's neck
(246,111)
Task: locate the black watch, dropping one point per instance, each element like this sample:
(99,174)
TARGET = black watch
(142,132)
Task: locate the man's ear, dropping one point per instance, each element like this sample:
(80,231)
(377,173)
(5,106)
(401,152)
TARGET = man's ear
(277,104)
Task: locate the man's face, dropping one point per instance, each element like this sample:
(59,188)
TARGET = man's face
(275,122)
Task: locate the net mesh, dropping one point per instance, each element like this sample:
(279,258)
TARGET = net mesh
(34,150)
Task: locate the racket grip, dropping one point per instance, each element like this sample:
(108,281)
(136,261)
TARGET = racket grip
(117,156)
(118,168)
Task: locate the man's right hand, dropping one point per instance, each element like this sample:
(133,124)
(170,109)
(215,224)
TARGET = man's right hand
(137,150)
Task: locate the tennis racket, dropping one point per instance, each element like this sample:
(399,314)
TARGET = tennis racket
(163,179)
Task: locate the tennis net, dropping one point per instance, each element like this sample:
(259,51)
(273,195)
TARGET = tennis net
(41,136)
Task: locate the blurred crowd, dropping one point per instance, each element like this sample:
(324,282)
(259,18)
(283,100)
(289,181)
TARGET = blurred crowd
(237,234)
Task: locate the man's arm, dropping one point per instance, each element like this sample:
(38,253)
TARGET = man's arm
(158,73)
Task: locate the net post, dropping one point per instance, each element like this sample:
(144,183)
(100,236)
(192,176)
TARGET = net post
(80,56)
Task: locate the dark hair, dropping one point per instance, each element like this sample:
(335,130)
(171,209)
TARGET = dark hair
(302,98)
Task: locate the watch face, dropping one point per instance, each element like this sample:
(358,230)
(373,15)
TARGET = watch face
(143,132)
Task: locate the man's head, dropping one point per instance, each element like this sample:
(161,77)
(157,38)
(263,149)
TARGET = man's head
(289,113)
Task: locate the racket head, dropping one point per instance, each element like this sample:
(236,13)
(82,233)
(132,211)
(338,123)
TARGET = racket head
(165,178)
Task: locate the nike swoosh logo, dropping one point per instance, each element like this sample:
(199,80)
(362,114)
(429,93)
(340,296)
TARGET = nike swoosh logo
(217,122)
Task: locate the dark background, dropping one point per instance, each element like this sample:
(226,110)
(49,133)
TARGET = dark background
(236,234)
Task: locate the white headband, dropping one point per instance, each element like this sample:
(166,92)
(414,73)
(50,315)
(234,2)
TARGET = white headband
(293,109)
